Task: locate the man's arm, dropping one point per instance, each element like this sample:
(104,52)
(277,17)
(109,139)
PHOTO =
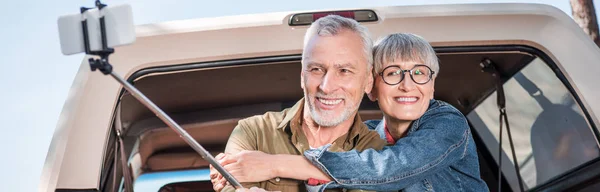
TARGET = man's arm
(241,138)
(258,166)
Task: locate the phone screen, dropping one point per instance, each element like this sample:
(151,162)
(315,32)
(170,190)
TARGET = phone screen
(119,26)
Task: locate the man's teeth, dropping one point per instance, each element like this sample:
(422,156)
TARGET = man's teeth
(330,101)
(406,99)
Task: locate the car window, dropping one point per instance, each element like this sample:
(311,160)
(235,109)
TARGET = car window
(549,131)
(158,180)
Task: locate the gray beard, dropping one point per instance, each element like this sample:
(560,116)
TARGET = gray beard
(333,120)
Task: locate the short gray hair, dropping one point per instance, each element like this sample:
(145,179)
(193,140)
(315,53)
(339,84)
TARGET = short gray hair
(404,47)
(331,25)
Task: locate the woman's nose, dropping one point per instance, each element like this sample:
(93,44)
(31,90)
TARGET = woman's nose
(407,84)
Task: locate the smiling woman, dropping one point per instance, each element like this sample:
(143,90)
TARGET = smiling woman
(403,99)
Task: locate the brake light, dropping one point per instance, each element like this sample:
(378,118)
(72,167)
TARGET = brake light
(308,18)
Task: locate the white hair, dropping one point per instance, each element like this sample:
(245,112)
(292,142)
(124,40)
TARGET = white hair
(331,25)
(404,47)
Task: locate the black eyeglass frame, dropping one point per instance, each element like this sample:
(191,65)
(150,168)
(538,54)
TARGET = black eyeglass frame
(410,72)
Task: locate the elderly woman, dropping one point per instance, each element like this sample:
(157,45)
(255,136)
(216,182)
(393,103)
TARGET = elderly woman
(430,144)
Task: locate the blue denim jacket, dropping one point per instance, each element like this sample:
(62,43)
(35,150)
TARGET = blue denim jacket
(437,154)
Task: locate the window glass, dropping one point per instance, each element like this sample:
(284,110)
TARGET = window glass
(550,133)
(157,180)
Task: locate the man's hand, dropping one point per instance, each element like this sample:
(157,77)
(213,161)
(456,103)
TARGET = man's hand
(216,178)
(246,166)
(251,166)
(253,189)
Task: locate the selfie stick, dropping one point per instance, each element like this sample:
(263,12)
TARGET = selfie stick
(104,67)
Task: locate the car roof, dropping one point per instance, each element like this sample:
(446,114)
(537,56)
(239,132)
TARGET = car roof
(76,153)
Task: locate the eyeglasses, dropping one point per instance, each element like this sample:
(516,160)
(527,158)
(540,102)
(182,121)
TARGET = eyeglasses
(393,74)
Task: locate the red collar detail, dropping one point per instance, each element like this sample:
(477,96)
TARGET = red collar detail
(315,182)
(388,136)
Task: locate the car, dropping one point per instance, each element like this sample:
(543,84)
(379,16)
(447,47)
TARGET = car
(209,73)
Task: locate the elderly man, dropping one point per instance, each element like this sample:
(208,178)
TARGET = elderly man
(336,73)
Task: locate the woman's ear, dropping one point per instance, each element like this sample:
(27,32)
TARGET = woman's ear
(433,88)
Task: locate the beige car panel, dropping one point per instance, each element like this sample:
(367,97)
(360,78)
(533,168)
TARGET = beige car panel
(76,153)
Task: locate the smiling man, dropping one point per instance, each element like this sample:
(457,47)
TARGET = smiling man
(336,73)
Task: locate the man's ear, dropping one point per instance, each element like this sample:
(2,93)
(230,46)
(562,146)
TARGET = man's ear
(372,96)
(302,79)
(369,85)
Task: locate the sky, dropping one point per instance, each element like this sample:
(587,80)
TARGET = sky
(35,77)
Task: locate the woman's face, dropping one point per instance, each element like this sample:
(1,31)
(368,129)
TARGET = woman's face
(406,101)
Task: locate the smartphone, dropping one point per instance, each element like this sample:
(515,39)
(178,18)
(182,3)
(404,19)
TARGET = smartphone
(119,27)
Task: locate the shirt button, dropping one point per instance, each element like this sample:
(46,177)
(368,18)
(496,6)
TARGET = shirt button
(277,179)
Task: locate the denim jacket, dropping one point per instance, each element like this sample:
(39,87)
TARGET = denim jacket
(437,154)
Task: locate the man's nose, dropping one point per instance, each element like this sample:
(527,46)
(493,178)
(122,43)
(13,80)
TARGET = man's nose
(407,84)
(328,83)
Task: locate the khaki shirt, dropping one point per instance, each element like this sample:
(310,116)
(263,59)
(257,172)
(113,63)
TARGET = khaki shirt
(281,133)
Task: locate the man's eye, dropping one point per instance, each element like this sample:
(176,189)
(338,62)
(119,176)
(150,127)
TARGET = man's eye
(316,70)
(345,71)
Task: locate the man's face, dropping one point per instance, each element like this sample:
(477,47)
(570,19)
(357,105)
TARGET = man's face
(335,77)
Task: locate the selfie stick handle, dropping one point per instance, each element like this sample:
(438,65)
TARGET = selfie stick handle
(182,133)
(104,66)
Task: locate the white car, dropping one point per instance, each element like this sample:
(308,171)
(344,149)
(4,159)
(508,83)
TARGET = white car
(209,73)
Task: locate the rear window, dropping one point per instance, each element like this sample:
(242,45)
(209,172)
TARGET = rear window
(181,180)
(549,130)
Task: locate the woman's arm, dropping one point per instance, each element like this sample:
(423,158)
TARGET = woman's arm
(255,166)
(440,141)
(298,167)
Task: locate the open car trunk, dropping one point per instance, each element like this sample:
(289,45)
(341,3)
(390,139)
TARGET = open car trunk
(213,96)
(209,73)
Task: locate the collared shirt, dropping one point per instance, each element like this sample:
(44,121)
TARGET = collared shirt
(388,136)
(281,133)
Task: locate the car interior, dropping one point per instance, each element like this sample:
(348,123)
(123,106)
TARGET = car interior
(207,100)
